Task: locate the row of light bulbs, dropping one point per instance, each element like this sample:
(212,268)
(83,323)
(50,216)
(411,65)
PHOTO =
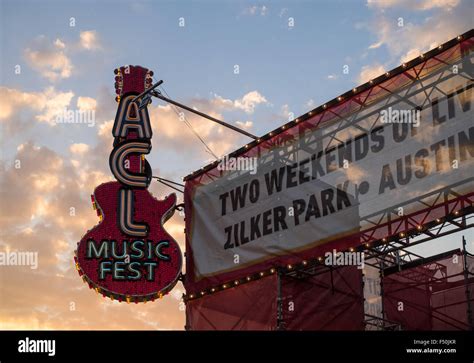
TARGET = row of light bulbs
(305,263)
(310,113)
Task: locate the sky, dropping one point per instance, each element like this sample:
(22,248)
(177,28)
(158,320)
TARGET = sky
(255,64)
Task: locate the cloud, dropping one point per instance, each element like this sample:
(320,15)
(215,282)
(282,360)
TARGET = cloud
(12,99)
(256,10)
(247,125)
(413,5)
(410,54)
(370,72)
(310,103)
(80,148)
(249,101)
(55,103)
(50,186)
(450,18)
(220,140)
(40,196)
(26,182)
(89,40)
(49,58)
(285,113)
(283,11)
(43,106)
(105,129)
(86,103)
(59,44)
(376,45)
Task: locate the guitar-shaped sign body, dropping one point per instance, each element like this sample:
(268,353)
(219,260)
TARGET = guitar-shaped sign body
(129,256)
(157,258)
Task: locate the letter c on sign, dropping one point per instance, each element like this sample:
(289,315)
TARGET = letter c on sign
(117,158)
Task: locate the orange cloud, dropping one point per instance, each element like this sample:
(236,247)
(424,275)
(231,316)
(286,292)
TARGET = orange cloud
(49,210)
(48,213)
(89,40)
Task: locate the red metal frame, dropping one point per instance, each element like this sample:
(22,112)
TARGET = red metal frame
(386,226)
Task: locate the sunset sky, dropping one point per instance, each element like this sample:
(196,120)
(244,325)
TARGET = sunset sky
(48,65)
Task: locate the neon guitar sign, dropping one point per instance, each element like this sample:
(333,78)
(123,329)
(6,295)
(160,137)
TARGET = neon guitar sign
(129,256)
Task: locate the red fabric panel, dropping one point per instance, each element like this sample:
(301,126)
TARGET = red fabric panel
(251,306)
(316,303)
(449,309)
(416,313)
(434,295)
(449,296)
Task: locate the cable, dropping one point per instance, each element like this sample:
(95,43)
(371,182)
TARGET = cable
(160,180)
(189,125)
(168,181)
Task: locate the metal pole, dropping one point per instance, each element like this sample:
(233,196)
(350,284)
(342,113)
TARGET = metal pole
(147,91)
(363,298)
(280,322)
(466,281)
(151,91)
(382,293)
(232,127)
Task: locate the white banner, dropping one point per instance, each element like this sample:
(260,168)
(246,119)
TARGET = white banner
(331,180)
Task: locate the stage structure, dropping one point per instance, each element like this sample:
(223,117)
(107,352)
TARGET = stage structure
(432,293)
(371,173)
